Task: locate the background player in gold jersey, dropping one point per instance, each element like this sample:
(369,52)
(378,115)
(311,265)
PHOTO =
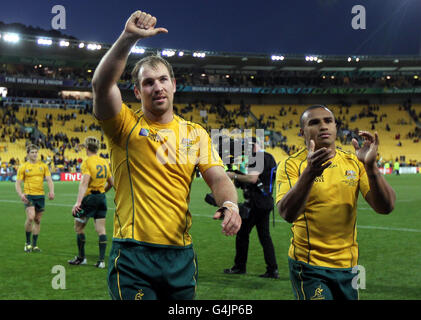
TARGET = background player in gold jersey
(91,201)
(317,191)
(153,157)
(32,174)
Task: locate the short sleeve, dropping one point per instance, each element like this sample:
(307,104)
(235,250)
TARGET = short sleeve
(208,156)
(47,172)
(117,129)
(21,173)
(84,168)
(286,178)
(363,183)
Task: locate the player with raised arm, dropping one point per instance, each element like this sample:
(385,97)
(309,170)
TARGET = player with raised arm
(154,157)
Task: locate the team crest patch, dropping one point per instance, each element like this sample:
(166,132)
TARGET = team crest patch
(139,295)
(351,178)
(318,294)
(350,174)
(186,143)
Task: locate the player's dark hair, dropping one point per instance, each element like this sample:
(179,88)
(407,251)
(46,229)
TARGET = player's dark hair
(317,106)
(152,61)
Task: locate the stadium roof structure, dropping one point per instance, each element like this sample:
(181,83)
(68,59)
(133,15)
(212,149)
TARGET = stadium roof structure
(29,49)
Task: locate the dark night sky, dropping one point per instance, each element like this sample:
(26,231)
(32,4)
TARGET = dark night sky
(393,27)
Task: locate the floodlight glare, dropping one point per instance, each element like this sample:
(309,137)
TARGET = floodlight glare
(44,42)
(137,50)
(181,53)
(275,57)
(64,43)
(11,37)
(94,46)
(168,53)
(199,54)
(81,45)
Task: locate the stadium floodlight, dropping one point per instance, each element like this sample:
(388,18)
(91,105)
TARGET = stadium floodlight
(357,59)
(94,46)
(137,50)
(11,37)
(199,54)
(167,53)
(81,45)
(44,41)
(349,59)
(277,58)
(64,43)
(181,53)
(416,77)
(312,58)
(319,60)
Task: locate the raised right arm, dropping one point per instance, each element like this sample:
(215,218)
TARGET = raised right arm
(107,99)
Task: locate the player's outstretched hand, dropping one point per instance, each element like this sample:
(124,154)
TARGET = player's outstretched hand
(142,25)
(318,161)
(231,220)
(367,153)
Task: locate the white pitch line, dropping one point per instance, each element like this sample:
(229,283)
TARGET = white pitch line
(276,220)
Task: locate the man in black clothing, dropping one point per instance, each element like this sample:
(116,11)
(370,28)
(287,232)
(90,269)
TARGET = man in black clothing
(255,212)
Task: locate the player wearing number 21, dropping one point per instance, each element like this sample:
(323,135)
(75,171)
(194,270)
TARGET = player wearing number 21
(91,201)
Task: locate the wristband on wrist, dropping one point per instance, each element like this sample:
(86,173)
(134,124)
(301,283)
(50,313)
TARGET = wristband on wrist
(230,205)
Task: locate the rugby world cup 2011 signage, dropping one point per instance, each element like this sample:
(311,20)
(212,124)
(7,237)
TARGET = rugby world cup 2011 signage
(295,90)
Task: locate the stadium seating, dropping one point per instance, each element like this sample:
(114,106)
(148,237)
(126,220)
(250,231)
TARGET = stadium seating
(395,141)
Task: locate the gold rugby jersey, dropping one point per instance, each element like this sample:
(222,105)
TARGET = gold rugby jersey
(325,234)
(99,171)
(32,175)
(153,166)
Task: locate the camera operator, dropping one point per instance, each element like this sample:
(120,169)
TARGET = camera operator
(255,211)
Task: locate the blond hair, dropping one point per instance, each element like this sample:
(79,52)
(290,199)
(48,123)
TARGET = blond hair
(92,144)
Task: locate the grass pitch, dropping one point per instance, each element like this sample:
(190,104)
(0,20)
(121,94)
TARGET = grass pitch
(389,250)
